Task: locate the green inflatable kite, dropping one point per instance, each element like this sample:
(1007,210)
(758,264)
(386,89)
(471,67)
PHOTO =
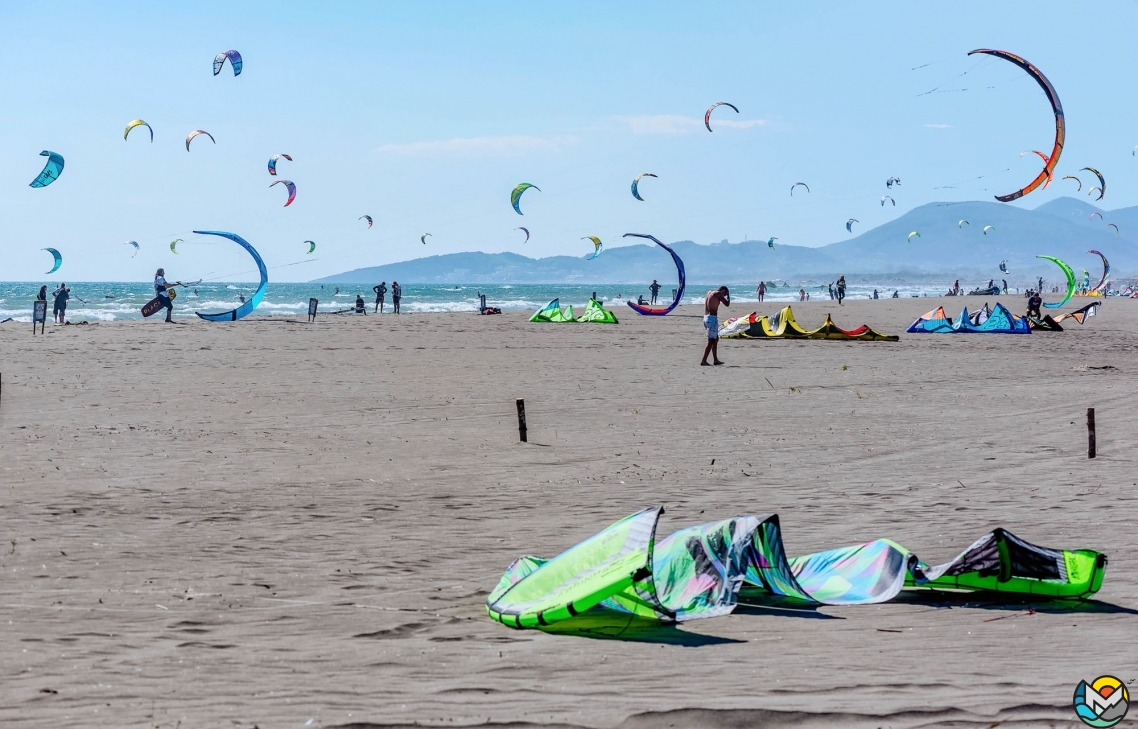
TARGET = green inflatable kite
(1071,282)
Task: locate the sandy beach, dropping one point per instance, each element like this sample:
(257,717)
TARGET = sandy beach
(270,522)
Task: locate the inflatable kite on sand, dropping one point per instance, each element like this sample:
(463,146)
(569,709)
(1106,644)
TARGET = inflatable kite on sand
(254,300)
(783,325)
(656,311)
(704,571)
(552,313)
(986,321)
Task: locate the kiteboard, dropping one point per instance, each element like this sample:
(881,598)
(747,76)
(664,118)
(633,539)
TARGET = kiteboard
(155,305)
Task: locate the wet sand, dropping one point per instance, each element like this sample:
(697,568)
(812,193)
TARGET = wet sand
(267,522)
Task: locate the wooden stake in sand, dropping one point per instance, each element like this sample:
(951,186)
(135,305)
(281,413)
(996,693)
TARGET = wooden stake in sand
(521,403)
(1090,432)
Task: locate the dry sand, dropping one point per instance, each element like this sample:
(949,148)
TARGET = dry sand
(267,522)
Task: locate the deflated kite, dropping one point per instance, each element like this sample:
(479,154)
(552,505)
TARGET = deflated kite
(526,231)
(58,259)
(291,190)
(1101,181)
(635,182)
(886,197)
(707,114)
(516,195)
(367,218)
(796,185)
(273,163)
(138,123)
(1060,122)
(234,61)
(51,171)
(849,224)
(191,135)
(596,244)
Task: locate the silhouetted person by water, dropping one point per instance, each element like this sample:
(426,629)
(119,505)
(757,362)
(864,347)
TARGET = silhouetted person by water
(396,295)
(380,291)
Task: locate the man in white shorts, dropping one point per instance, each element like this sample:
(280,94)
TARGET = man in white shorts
(711,321)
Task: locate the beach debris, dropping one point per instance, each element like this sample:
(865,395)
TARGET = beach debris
(58,259)
(698,572)
(273,163)
(707,114)
(521,405)
(235,62)
(1101,181)
(138,123)
(1029,611)
(1050,161)
(516,195)
(1090,432)
(636,182)
(196,133)
(291,190)
(51,169)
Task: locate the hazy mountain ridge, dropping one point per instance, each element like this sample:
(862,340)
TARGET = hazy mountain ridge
(945,248)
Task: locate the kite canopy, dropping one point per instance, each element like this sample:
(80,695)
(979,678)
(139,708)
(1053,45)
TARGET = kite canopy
(51,170)
(1076,179)
(803,184)
(424,237)
(516,195)
(291,190)
(987,228)
(892,181)
(58,259)
(910,238)
(1071,281)
(273,163)
(173,245)
(783,325)
(636,182)
(707,114)
(655,311)
(1112,225)
(367,218)
(191,135)
(597,246)
(849,224)
(234,61)
(886,197)
(770,242)
(1101,181)
(311,246)
(1003,266)
(994,321)
(1082,314)
(962,223)
(526,231)
(594,313)
(1105,270)
(133,243)
(246,308)
(1092,215)
(706,570)
(138,123)
(1060,122)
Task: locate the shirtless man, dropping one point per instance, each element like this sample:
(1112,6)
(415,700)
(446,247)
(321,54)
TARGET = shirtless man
(711,321)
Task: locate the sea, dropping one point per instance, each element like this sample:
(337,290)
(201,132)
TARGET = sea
(116,301)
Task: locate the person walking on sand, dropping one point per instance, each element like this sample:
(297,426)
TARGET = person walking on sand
(802,294)
(160,287)
(762,290)
(396,295)
(379,294)
(711,304)
(841,289)
(655,289)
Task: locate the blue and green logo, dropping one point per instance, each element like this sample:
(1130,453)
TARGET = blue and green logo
(1102,702)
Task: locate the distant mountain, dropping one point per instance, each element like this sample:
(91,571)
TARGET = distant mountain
(946,248)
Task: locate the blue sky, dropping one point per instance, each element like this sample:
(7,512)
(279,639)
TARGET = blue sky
(425,115)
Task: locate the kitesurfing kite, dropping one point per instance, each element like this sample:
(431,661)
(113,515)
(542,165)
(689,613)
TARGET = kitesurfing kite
(367,218)
(987,228)
(1071,282)
(191,135)
(1044,158)
(596,244)
(1086,279)
(1050,161)
(1105,270)
(892,181)
(132,243)
(311,246)
(770,243)
(516,195)
(796,185)
(654,311)
(1101,181)
(635,182)
(849,224)
(1076,179)
(423,237)
(526,231)
(58,259)
(1092,217)
(707,114)
(51,170)
(910,238)
(174,245)
(1003,266)
(291,190)
(1112,225)
(252,302)
(138,123)
(1092,192)
(273,163)
(886,197)
(234,61)
(962,223)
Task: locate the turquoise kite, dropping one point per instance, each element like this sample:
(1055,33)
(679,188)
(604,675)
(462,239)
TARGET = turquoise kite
(58,259)
(707,570)
(596,243)
(246,308)
(516,195)
(1071,282)
(311,246)
(234,61)
(636,182)
(770,242)
(51,170)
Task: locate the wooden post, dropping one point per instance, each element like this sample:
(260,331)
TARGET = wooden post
(522,420)
(1090,432)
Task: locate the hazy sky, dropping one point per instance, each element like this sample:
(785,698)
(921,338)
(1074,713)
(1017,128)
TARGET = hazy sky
(425,115)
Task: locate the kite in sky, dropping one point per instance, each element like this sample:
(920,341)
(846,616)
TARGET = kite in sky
(234,61)
(1003,266)
(849,224)
(892,181)
(516,195)
(424,236)
(886,197)
(58,259)
(1076,179)
(1112,225)
(707,114)
(311,246)
(132,243)
(273,163)
(635,182)
(253,301)
(367,218)
(796,185)
(51,170)
(138,123)
(596,244)
(1092,217)
(526,231)
(174,245)
(191,135)
(770,243)
(910,238)
(987,228)
(962,223)
(1105,271)
(291,190)
(1102,182)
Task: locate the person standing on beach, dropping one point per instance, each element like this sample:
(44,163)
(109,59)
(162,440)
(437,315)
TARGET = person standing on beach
(160,287)
(59,309)
(396,295)
(711,304)
(841,289)
(956,288)
(379,293)
(762,291)
(655,289)
(42,295)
